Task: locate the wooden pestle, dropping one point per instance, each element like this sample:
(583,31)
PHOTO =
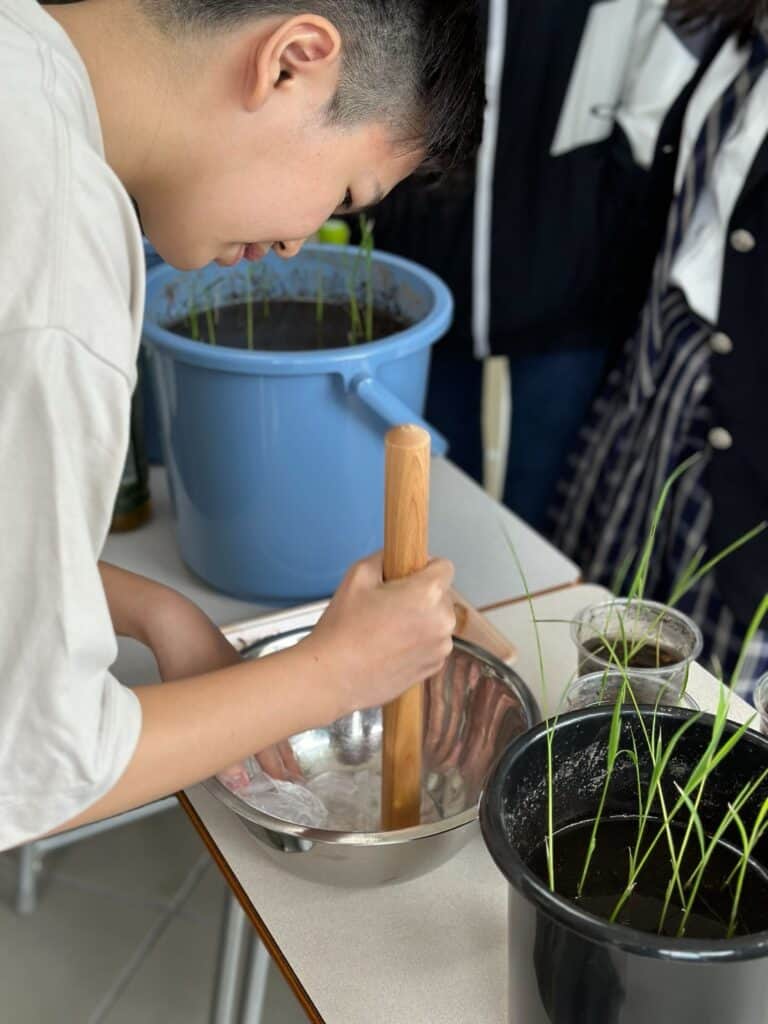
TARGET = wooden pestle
(406,521)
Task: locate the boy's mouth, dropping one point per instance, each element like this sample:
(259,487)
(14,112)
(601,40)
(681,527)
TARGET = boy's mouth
(254,251)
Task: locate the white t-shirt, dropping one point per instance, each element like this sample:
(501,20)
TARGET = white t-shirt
(71,300)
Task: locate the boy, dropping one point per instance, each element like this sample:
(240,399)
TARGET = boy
(229,127)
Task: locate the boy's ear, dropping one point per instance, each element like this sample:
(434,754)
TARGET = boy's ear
(301,46)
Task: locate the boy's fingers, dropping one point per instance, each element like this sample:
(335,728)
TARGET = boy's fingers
(436,570)
(441,571)
(375,562)
(370,570)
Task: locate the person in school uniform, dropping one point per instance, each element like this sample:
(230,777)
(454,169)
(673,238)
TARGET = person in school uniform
(549,244)
(689,383)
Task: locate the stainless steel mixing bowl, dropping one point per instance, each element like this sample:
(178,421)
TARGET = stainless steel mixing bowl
(473,709)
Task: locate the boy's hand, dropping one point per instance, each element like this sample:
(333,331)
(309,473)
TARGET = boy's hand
(377,639)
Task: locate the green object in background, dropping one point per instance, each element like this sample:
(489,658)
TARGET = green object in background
(334,232)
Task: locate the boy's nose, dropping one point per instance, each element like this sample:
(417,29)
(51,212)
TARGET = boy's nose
(288,249)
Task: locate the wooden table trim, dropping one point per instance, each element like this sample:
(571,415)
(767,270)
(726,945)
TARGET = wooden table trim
(253,915)
(531,597)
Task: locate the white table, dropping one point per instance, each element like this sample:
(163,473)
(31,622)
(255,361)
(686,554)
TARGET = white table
(427,951)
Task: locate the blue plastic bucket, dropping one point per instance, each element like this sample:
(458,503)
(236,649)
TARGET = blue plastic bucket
(276,459)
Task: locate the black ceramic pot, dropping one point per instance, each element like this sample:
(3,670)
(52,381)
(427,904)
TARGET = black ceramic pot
(567,966)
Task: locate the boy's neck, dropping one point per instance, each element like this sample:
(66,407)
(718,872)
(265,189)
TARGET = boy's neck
(121,54)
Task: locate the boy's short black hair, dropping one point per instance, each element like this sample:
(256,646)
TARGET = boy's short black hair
(414,65)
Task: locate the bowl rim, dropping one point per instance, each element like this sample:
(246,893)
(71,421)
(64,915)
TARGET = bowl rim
(310,834)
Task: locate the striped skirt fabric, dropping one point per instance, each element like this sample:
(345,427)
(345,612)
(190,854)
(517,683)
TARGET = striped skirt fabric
(652,415)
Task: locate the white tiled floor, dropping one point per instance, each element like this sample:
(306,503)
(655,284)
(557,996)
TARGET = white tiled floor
(125,933)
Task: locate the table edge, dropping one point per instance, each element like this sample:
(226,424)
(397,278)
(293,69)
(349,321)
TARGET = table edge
(255,918)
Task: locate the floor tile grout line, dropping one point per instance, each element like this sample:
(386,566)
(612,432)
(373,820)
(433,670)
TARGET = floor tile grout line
(109,892)
(133,898)
(196,917)
(150,940)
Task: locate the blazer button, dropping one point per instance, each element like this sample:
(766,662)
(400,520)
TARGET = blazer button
(742,240)
(721,343)
(720,439)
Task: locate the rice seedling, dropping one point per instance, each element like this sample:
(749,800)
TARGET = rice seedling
(249,306)
(194,326)
(361,320)
(667,810)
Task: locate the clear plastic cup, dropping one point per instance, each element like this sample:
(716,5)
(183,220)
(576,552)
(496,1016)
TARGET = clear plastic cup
(761,702)
(656,641)
(604,688)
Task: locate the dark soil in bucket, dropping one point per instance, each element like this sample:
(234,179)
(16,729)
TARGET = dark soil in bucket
(608,875)
(648,656)
(287,326)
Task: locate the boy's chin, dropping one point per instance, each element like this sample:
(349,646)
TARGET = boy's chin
(170,251)
(179,259)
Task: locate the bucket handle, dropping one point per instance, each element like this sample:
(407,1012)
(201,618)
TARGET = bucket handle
(394,411)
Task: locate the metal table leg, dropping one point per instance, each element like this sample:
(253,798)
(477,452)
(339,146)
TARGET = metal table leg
(232,941)
(255,982)
(30,862)
(242,969)
(31,855)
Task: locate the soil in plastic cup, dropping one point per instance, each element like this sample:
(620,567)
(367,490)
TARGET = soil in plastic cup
(652,640)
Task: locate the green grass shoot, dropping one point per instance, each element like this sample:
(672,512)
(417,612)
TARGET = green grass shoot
(366,246)
(265,282)
(320,298)
(194,325)
(249,306)
(361,318)
(211,325)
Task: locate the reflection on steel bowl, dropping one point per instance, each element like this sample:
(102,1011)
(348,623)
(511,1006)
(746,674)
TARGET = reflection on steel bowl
(317,795)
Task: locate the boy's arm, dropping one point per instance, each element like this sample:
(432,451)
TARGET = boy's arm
(182,638)
(373,642)
(194,728)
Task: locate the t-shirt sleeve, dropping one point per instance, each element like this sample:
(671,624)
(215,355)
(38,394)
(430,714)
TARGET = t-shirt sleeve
(68,728)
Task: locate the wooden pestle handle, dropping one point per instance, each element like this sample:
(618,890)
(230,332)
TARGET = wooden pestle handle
(406,529)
